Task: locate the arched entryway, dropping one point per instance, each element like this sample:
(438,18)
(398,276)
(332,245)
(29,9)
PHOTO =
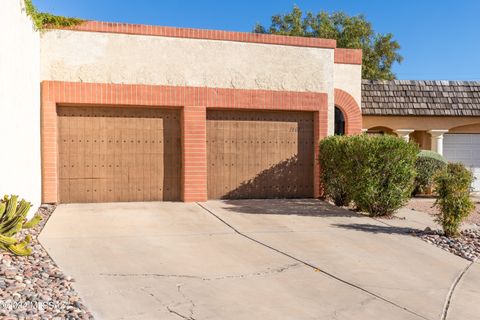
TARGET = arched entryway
(339,122)
(350,111)
(380,130)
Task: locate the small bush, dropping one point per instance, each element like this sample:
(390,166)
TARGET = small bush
(376,172)
(384,174)
(427,165)
(452,184)
(336,169)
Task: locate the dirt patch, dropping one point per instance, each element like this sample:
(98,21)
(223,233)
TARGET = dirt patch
(426,205)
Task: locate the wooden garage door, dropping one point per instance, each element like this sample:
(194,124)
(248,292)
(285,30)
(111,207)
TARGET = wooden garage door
(259,154)
(118,154)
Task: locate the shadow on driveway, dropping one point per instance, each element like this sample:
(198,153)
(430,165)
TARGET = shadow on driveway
(377,229)
(300,207)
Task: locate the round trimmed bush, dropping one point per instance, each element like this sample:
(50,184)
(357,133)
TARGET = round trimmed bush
(427,165)
(384,174)
(376,172)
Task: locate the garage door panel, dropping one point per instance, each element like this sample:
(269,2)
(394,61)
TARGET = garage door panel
(464,148)
(259,154)
(118,154)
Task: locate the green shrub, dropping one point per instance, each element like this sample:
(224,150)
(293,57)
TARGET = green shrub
(376,172)
(12,220)
(336,169)
(44,19)
(384,174)
(427,165)
(452,184)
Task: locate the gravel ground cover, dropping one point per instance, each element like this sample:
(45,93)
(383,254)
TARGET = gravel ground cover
(467,245)
(34,287)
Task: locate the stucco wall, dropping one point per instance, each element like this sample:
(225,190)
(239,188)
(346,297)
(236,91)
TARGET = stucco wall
(348,77)
(472,128)
(20,160)
(137,59)
(418,123)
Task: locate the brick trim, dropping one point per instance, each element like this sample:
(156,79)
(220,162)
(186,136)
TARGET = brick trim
(348,56)
(351,110)
(149,30)
(194,155)
(193,101)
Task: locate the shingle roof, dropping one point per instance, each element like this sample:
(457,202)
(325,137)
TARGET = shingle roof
(420,98)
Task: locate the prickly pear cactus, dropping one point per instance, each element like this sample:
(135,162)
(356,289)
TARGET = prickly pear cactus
(13,218)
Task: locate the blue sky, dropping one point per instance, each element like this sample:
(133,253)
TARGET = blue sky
(439,39)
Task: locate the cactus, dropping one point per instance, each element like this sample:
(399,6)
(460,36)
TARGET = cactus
(33,222)
(21,249)
(13,219)
(11,207)
(3,207)
(7,240)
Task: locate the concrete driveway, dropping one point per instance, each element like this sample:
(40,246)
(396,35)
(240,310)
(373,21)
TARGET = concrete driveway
(255,259)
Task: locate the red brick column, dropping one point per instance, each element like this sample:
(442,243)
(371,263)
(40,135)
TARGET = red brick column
(320,127)
(194,131)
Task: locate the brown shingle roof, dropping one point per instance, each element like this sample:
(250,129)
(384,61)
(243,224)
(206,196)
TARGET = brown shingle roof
(420,98)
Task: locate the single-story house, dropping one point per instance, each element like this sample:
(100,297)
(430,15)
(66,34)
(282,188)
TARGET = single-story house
(103,112)
(443,116)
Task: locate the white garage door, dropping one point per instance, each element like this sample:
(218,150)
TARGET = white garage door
(464,148)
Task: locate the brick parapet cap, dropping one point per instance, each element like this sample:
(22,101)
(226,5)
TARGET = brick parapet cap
(249,37)
(348,56)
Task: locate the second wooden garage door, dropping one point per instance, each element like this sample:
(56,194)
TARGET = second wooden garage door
(259,154)
(118,154)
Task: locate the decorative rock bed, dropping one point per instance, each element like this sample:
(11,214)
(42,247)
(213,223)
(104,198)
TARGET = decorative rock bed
(467,245)
(34,287)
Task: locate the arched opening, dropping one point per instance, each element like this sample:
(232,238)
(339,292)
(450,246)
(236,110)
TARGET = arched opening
(380,131)
(471,128)
(339,122)
(348,116)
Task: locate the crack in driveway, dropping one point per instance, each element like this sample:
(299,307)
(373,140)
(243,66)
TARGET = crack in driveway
(192,304)
(266,272)
(170,309)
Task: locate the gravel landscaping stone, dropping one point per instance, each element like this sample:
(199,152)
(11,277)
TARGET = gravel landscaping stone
(34,287)
(467,245)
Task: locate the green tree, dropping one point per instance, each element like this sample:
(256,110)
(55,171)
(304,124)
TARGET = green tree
(380,51)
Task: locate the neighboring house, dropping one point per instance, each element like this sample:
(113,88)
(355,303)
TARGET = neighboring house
(138,113)
(443,116)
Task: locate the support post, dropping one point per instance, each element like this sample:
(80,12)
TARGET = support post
(404,133)
(437,140)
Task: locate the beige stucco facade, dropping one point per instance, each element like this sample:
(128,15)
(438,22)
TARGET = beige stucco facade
(422,129)
(422,122)
(138,59)
(348,77)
